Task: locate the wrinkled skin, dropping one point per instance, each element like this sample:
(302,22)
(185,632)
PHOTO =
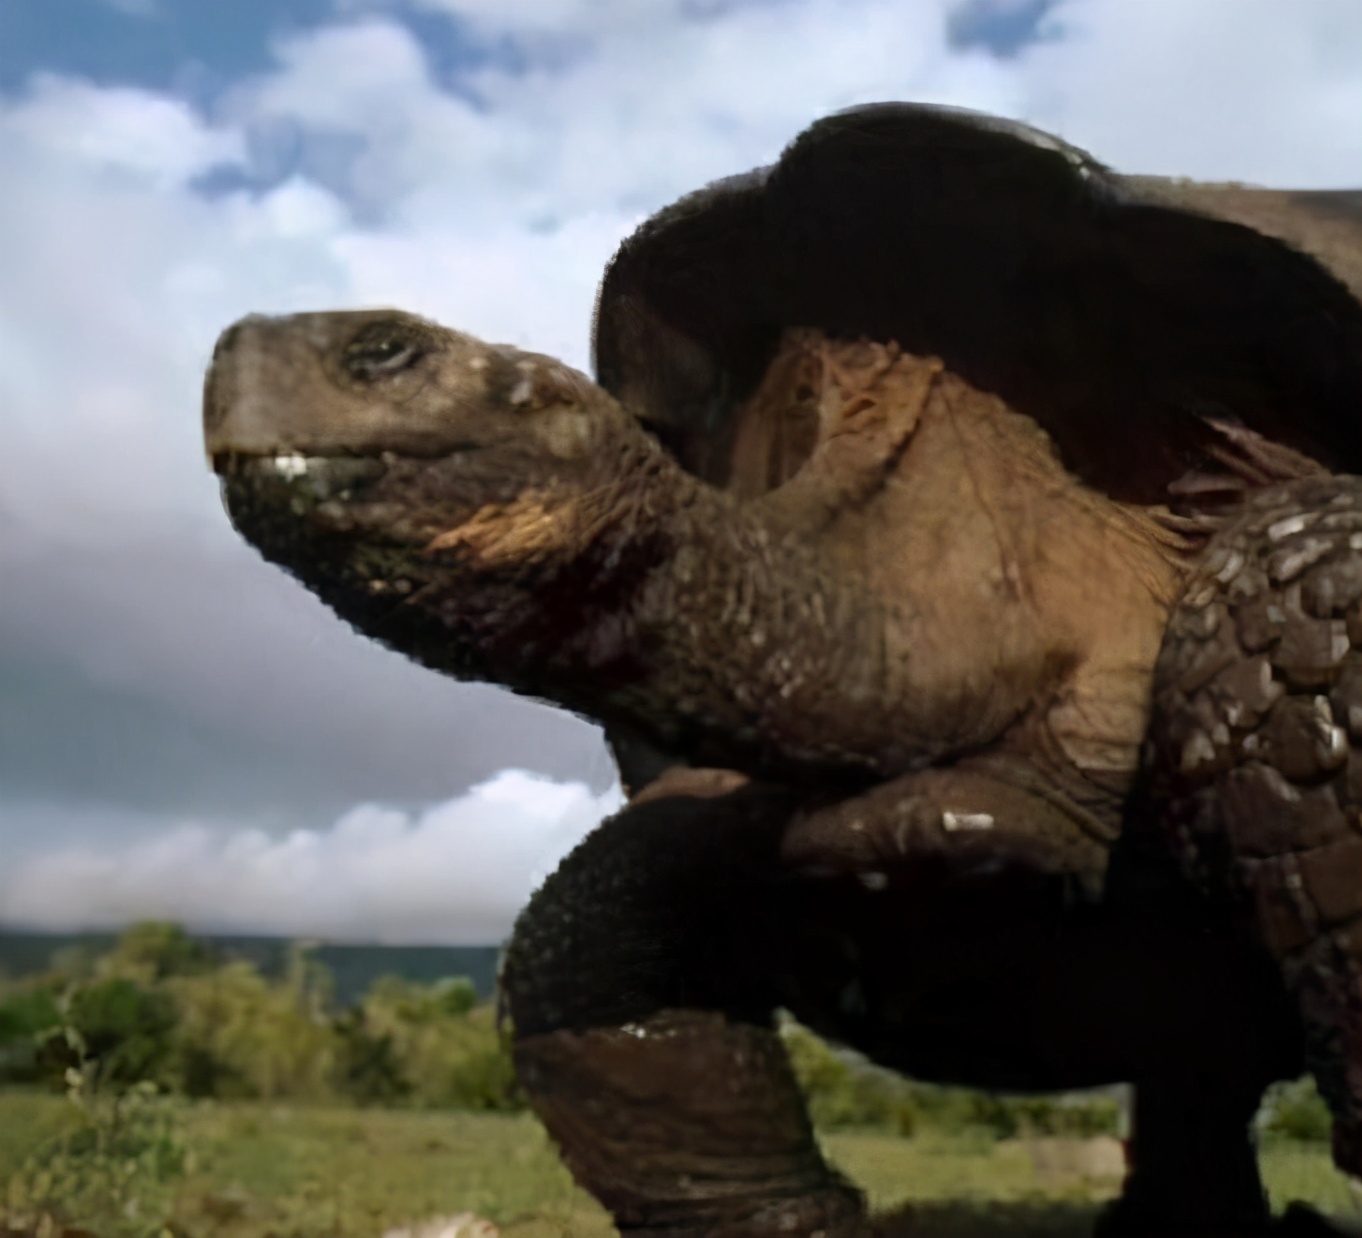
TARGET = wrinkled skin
(877,663)
(498,482)
(1255,761)
(437,503)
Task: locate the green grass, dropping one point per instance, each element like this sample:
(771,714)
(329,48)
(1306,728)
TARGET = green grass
(1304,1171)
(304,1171)
(288,1171)
(27,1119)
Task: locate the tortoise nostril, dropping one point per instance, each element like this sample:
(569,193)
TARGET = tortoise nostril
(230,339)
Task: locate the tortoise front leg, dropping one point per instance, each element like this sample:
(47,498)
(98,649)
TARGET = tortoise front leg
(652,1063)
(686,1124)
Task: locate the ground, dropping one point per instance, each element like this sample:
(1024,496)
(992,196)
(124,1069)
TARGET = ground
(292,1171)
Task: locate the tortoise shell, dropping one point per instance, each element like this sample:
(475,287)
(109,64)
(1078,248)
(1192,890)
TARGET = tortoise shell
(1129,316)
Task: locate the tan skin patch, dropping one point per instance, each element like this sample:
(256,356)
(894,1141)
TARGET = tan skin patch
(533,527)
(1040,600)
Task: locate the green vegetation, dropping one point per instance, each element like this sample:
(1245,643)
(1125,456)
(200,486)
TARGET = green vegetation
(255,1168)
(161,1008)
(114,1162)
(158,1090)
(1295,1110)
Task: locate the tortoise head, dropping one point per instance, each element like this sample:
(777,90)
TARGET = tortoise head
(370,383)
(376,455)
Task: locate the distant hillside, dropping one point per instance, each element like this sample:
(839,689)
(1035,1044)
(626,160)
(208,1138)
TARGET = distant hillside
(355,968)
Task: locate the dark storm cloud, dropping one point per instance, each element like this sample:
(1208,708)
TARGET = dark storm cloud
(173,678)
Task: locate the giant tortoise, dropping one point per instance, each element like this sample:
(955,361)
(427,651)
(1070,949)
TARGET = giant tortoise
(905,458)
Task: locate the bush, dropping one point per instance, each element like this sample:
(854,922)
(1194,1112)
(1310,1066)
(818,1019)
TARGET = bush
(368,1070)
(156,949)
(1075,1116)
(448,1051)
(164,1008)
(239,1036)
(1296,1110)
(114,1170)
(125,1029)
(454,996)
(840,1090)
(25,1018)
(27,1013)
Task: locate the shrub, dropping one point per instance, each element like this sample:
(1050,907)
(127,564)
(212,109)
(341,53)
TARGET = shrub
(26,1013)
(454,996)
(447,1050)
(125,1028)
(154,949)
(842,1089)
(25,1017)
(1295,1110)
(1075,1116)
(114,1170)
(839,1089)
(367,1068)
(239,1036)
(164,1008)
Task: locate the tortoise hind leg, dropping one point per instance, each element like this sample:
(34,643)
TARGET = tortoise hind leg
(1255,766)
(979,961)
(1193,1160)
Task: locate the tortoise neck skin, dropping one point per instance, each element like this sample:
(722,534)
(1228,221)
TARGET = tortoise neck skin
(497,516)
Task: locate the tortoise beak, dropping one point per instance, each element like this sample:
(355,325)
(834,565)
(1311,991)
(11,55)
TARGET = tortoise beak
(254,396)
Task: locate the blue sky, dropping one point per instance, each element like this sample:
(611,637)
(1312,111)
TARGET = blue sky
(194,49)
(184,46)
(196,52)
(167,701)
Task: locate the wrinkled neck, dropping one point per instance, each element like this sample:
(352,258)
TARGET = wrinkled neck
(639,595)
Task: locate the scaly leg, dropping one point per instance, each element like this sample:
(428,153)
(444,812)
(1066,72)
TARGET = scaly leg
(680,1118)
(1256,769)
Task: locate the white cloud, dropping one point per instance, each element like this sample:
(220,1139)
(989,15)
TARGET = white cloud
(1263,91)
(454,874)
(498,217)
(118,278)
(492,207)
(119,130)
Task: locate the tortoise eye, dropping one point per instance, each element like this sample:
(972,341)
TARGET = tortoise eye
(381,349)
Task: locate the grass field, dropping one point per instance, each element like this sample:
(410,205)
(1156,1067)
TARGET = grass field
(259,1170)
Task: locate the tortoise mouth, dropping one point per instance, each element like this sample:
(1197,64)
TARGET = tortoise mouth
(291,504)
(327,489)
(320,477)
(283,502)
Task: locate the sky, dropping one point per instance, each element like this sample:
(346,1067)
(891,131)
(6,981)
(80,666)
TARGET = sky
(184,731)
